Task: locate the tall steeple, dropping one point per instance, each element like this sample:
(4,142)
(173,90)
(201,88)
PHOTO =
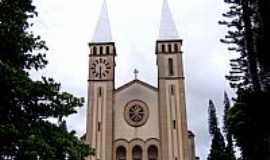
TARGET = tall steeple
(103,28)
(167,28)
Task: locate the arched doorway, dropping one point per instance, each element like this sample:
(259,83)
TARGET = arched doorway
(137,153)
(152,152)
(121,153)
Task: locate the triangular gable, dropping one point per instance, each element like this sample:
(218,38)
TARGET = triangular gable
(136,81)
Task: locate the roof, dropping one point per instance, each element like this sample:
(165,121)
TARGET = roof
(167,28)
(103,28)
(136,81)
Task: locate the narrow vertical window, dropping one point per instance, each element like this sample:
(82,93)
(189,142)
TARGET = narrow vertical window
(163,48)
(99,125)
(170,64)
(169,48)
(172,90)
(99,92)
(175,47)
(174,124)
(101,50)
(108,50)
(94,50)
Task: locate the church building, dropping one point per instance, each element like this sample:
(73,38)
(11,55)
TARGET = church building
(138,121)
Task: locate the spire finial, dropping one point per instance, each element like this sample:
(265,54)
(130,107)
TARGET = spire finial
(136,72)
(103,29)
(167,28)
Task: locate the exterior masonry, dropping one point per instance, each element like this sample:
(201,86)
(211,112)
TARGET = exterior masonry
(138,121)
(163,135)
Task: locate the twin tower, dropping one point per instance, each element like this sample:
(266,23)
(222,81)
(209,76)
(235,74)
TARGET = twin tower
(138,121)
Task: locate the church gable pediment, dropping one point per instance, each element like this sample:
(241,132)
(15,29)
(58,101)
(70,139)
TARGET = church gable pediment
(141,84)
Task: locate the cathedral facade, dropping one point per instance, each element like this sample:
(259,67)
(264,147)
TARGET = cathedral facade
(138,121)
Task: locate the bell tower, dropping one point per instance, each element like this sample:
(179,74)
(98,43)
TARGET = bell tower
(100,89)
(172,107)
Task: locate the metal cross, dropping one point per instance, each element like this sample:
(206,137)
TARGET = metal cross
(136,73)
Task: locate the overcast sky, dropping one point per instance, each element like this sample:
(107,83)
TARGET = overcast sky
(68,25)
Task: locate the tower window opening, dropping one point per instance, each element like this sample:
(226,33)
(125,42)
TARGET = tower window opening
(163,48)
(108,50)
(100,50)
(175,47)
(94,50)
(170,63)
(169,48)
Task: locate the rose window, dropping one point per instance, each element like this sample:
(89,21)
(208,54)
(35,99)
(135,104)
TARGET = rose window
(136,113)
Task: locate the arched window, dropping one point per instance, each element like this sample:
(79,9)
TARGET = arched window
(94,50)
(163,48)
(121,153)
(108,50)
(152,153)
(170,64)
(169,48)
(175,47)
(101,50)
(137,153)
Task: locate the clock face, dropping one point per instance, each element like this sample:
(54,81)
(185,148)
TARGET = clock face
(100,68)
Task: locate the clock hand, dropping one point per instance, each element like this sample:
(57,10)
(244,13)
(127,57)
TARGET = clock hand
(100,68)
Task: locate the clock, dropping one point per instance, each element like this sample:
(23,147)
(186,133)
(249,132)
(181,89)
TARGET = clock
(100,68)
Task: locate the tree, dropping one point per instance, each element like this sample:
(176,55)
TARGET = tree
(248,36)
(229,147)
(244,69)
(217,150)
(27,105)
(262,37)
(248,124)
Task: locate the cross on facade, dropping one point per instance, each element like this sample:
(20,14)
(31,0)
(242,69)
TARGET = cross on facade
(135,73)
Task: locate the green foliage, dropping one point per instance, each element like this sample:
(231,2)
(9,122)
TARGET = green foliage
(212,120)
(217,151)
(25,104)
(244,69)
(248,36)
(247,122)
(230,146)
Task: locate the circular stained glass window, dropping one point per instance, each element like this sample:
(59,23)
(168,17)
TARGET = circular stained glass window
(136,113)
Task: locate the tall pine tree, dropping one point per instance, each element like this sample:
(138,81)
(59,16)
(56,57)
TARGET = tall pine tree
(229,147)
(217,150)
(25,104)
(248,37)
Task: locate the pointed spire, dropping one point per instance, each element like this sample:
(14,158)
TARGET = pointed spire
(103,28)
(167,28)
